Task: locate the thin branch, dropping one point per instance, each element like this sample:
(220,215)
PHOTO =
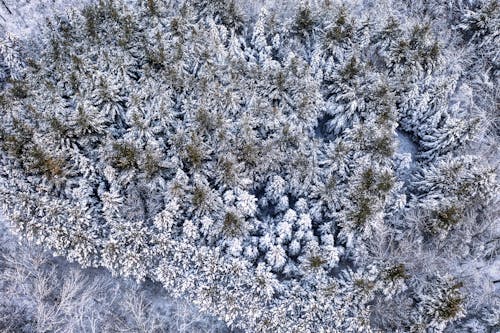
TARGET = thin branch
(6,7)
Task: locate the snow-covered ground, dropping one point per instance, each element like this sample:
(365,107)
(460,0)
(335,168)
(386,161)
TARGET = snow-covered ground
(406,145)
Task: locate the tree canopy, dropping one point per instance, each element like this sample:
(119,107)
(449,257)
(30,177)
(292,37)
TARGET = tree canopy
(255,164)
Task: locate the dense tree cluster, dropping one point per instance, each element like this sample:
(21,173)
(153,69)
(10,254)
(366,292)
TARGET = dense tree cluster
(257,165)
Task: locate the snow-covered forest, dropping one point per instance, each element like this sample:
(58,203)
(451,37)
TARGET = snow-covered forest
(40,293)
(283,166)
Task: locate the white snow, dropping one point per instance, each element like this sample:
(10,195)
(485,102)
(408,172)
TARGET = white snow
(406,145)
(25,17)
